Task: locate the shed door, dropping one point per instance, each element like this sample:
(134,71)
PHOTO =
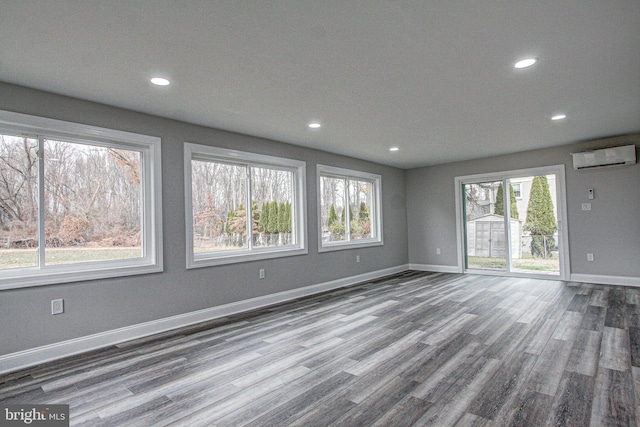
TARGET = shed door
(498,248)
(483,239)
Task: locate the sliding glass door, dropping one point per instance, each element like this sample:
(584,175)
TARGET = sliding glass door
(511,223)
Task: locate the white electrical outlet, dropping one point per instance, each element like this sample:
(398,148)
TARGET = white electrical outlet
(261,274)
(589,257)
(57,306)
(586,206)
(437,251)
(357,258)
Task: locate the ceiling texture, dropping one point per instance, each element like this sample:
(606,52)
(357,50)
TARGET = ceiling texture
(433,78)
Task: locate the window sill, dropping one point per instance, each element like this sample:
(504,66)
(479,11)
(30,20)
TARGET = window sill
(53,275)
(338,246)
(206,260)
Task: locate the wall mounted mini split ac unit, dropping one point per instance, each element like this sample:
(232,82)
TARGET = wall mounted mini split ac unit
(605,157)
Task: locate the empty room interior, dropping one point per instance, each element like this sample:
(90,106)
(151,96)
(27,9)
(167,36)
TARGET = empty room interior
(311,213)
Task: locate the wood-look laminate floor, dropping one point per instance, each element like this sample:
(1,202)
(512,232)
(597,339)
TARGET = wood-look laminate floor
(410,349)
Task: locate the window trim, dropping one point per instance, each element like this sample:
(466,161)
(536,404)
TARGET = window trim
(336,172)
(151,187)
(519,191)
(194,151)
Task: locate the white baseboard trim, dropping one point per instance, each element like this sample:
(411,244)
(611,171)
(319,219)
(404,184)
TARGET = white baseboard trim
(26,358)
(436,268)
(606,280)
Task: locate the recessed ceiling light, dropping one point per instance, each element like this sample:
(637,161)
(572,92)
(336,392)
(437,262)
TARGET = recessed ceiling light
(394,149)
(559,117)
(160,81)
(314,125)
(524,63)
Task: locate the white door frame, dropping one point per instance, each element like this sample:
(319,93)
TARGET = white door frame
(561,199)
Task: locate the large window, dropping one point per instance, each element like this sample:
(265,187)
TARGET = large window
(242,206)
(349,209)
(76,202)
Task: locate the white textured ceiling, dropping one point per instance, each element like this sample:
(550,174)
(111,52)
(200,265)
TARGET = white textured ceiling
(434,78)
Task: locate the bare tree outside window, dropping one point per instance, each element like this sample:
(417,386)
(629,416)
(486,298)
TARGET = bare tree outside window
(220,206)
(349,209)
(91,202)
(18,202)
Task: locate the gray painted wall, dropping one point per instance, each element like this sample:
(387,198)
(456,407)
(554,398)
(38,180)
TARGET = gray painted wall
(101,305)
(611,230)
